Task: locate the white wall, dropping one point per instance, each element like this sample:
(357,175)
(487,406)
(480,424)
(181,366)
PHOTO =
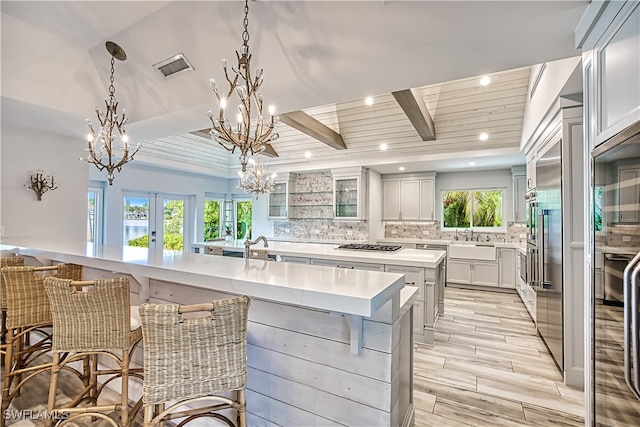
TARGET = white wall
(62,213)
(498,179)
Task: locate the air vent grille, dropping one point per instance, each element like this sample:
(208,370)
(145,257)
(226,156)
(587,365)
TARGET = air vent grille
(174,65)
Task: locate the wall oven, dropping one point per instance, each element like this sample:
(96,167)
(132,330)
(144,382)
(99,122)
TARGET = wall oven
(532,243)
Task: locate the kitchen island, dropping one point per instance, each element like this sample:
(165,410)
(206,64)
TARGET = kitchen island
(326,346)
(422,268)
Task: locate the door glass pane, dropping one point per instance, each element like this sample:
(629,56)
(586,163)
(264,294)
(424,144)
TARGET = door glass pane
(91,217)
(136,221)
(173,225)
(243,225)
(346,198)
(211,219)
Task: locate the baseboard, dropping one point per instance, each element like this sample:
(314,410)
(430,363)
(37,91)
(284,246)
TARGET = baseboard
(574,377)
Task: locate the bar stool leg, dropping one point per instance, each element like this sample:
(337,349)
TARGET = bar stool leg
(6,383)
(124,415)
(53,384)
(242,412)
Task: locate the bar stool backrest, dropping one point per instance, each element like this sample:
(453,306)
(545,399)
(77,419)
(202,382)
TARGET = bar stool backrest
(25,300)
(186,358)
(90,319)
(11,261)
(259,254)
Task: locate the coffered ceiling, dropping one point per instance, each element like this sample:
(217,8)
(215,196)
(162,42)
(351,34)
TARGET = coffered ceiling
(320,57)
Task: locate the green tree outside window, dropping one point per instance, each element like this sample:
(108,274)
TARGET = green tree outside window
(244,216)
(472,209)
(211,219)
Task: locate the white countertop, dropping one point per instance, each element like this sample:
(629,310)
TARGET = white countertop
(350,291)
(405,257)
(399,241)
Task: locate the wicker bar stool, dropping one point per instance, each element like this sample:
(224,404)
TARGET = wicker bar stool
(213,250)
(10,261)
(28,314)
(191,360)
(91,319)
(259,254)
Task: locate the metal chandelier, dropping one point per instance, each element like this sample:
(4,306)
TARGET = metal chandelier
(101,143)
(247,136)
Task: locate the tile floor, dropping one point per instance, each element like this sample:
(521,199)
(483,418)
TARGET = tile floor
(487,368)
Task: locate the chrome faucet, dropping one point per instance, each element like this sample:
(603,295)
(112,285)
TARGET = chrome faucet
(247,246)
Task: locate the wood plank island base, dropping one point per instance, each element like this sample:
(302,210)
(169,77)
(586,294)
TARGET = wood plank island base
(326,346)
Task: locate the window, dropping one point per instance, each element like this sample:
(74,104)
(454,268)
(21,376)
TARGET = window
(476,209)
(212,211)
(243,219)
(94,216)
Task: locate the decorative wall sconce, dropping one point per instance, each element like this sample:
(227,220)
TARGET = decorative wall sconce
(40,183)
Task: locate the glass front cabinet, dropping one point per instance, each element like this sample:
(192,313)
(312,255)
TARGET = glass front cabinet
(349,193)
(279,198)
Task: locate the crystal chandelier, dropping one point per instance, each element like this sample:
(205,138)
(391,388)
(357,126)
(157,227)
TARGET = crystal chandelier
(258,180)
(247,136)
(101,143)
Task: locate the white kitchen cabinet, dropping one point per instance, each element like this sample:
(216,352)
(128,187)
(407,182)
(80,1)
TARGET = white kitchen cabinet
(408,197)
(519,191)
(349,193)
(472,272)
(427,199)
(507,268)
(348,264)
(531,171)
(413,276)
(629,193)
(459,272)
(610,45)
(400,200)
(295,259)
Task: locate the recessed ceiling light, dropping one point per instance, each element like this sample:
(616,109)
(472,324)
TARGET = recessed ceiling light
(368,100)
(485,80)
(472,163)
(383,146)
(401,168)
(484,136)
(307,154)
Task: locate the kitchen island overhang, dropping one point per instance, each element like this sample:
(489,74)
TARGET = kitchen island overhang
(302,369)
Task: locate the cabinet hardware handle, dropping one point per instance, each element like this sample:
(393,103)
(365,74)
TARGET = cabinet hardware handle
(345,266)
(410,283)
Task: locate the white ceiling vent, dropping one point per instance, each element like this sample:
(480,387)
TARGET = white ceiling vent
(173,66)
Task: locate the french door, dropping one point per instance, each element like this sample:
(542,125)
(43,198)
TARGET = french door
(156,221)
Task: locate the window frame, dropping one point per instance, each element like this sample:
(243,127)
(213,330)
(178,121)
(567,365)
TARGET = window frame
(501,229)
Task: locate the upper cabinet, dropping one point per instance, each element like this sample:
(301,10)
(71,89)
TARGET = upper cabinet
(519,191)
(408,197)
(609,35)
(279,198)
(349,193)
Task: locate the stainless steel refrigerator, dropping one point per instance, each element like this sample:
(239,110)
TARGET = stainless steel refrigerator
(549,294)
(615,302)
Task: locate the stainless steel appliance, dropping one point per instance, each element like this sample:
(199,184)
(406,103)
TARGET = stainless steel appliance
(370,247)
(615,320)
(549,292)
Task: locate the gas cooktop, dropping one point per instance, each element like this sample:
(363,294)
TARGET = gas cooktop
(368,247)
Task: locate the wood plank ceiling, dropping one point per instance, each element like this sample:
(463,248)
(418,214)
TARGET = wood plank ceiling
(460,109)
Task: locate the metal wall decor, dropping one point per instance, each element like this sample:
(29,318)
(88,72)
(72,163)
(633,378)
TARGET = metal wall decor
(40,183)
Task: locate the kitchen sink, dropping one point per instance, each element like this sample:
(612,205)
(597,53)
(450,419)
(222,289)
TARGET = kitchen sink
(480,251)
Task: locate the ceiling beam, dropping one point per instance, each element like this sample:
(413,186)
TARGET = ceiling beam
(268,151)
(306,124)
(417,112)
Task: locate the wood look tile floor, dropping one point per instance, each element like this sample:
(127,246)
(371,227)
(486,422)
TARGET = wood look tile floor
(487,368)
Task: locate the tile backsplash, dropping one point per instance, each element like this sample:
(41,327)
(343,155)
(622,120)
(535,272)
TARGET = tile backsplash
(311,216)
(432,231)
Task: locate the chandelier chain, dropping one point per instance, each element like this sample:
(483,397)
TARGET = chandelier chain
(112,88)
(245,24)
